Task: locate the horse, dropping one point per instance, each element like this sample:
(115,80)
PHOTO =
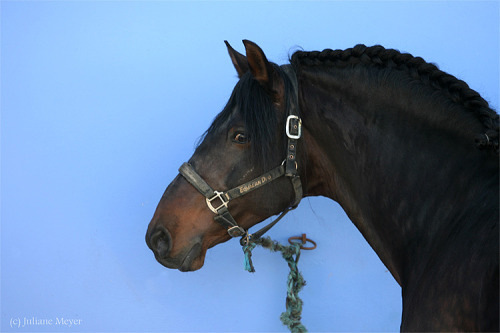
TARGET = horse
(408,151)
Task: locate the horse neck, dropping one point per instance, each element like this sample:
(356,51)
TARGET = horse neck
(392,159)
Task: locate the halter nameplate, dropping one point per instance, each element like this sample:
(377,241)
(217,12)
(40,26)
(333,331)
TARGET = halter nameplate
(247,188)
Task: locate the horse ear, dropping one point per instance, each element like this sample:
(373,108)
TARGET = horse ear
(239,60)
(260,67)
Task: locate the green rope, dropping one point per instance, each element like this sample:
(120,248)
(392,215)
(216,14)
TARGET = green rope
(295,282)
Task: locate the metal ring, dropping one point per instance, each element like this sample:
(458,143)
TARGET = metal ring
(303,240)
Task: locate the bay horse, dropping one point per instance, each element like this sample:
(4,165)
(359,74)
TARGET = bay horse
(408,151)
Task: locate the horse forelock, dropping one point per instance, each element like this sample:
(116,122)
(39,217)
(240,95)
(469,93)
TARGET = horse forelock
(418,69)
(254,106)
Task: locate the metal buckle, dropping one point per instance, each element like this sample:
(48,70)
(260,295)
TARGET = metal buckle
(221,198)
(236,231)
(245,239)
(299,127)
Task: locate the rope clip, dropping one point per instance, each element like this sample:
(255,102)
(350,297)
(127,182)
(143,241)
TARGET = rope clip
(245,239)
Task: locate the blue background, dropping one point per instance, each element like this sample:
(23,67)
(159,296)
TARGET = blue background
(100,104)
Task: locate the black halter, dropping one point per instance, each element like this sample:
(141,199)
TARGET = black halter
(217,201)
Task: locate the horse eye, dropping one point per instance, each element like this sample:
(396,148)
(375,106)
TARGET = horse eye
(240,138)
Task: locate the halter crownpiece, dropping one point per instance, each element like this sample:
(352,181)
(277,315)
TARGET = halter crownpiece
(217,201)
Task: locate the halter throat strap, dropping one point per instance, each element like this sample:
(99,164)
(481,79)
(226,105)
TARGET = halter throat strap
(217,201)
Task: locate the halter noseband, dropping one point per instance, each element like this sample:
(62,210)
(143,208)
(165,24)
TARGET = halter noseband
(217,201)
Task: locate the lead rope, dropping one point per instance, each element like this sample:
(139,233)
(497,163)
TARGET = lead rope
(295,282)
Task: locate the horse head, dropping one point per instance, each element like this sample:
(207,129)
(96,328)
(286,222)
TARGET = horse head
(246,140)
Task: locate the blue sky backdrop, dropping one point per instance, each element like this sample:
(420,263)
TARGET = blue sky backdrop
(100,104)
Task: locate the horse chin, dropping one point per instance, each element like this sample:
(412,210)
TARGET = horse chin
(194,260)
(191,261)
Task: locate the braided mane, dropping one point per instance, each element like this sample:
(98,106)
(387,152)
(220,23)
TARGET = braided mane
(456,89)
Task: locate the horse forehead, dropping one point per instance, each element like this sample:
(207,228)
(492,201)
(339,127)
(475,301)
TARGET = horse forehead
(212,161)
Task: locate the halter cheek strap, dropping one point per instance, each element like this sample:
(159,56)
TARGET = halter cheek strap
(218,201)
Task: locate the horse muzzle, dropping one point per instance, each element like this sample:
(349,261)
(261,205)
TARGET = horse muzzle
(160,242)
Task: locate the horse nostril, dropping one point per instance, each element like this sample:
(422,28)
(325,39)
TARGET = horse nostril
(161,243)
(162,247)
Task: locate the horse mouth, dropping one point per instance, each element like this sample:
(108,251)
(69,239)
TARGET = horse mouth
(183,263)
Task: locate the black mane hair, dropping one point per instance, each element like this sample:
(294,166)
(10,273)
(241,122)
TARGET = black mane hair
(254,105)
(457,90)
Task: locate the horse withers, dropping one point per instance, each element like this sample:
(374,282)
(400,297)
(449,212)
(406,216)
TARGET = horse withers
(408,151)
